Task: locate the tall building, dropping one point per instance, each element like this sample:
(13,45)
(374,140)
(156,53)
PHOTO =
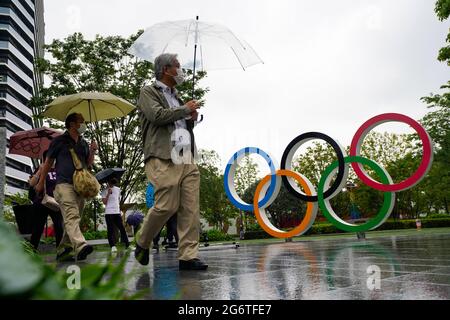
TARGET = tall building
(21,42)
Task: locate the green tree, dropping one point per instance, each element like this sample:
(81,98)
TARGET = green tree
(245,176)
(214,205)
(442,9)
(104,64)
(396,153)
(386,148)
(285,209)
(435,185)
(437,121)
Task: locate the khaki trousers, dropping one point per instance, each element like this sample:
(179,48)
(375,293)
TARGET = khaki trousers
(177,190)
(71,209)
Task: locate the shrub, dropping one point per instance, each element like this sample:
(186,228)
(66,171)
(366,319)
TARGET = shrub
(14,200)
(217,235)
(323,228)
(328,228)
(436,223)
(438,216)
(253,227)
(94,235)
(260,234)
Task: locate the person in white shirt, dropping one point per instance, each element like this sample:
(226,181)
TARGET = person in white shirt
(111,199)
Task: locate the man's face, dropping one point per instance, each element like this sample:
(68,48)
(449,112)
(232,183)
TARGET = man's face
(172,70)
(78,122)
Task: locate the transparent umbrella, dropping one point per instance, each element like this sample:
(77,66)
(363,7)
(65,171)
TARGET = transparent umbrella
(199,45)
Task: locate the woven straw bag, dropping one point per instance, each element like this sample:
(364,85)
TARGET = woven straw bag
(84,182)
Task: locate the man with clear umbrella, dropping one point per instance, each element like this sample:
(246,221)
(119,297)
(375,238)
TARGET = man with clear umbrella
(167,128)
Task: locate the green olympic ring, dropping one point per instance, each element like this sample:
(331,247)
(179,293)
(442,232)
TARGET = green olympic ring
(325,206)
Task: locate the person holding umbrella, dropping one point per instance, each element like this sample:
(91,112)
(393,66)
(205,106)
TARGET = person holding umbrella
(111,200)
(71,203)
(75,109)
(41,212)
(167,125)
(34,144)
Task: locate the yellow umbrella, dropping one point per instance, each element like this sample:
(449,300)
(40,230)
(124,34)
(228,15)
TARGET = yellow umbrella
(94,106)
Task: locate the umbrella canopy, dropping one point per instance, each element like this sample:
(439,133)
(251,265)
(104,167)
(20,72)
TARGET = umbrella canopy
(135,218)
(107,174)
(94,106)
(32,143)
(217,46)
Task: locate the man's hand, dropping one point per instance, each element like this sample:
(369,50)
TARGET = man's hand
(192,105)
(194,115)
(92,151)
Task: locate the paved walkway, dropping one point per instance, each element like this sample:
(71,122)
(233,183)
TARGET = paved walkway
(410,267)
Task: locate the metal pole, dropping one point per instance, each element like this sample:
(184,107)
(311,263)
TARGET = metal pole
(195,59)
(95,215)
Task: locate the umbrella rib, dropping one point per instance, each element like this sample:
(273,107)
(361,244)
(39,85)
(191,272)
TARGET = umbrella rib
(187,34)
(113,105)
(167,44)
(237,57)
(231,47)
(75,105)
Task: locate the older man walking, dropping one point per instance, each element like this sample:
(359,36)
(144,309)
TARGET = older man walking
(169,149)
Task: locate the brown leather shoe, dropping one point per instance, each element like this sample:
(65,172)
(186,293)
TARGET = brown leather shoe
(194,264)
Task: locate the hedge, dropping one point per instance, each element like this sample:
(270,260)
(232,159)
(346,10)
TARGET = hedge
(93,235)
(328,228)
(217,235)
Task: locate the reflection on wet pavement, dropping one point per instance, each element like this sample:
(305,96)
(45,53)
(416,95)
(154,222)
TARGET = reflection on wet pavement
(411,267)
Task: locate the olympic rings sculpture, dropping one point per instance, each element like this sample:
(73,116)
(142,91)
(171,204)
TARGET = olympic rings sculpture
(269,187)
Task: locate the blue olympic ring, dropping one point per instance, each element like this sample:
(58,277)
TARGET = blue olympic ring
(229,178)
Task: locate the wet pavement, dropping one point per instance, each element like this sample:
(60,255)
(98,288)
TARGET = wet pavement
(410,267)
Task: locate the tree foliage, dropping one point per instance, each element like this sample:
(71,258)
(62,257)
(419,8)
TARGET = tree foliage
(214,205)
(104,64)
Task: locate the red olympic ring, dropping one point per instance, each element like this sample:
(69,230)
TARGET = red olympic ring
(425,164)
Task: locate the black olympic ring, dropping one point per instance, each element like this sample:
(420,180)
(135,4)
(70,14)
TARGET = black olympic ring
(286,164)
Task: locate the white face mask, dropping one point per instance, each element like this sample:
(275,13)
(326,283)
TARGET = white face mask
(82,129)
(180,77)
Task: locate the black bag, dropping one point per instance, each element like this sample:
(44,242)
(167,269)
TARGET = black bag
(24,218)
(32,194)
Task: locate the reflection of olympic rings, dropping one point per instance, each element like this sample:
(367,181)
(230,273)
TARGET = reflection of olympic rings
(371,250)
(265,195)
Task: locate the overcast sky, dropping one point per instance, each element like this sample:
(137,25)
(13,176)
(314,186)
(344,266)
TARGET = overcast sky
(329,65)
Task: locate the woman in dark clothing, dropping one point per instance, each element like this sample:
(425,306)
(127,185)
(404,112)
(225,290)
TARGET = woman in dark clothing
(42,212)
